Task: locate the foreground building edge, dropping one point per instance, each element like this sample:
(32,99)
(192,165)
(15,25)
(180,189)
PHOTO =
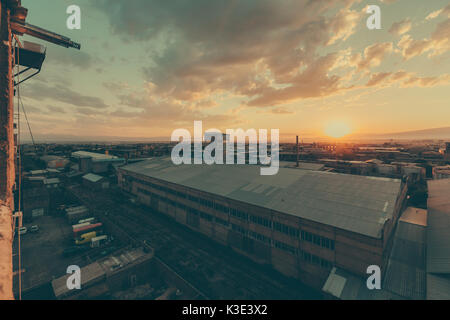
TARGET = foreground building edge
(6,153)
(5,253)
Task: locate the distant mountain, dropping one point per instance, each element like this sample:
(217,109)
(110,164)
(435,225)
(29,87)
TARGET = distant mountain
(85,139)
(425,134)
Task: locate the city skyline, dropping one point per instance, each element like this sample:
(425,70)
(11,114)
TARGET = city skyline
(150,67)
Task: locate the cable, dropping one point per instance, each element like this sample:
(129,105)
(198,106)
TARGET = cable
(19,162)
(28,124)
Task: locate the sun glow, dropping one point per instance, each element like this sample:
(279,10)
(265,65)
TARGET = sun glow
(337,129)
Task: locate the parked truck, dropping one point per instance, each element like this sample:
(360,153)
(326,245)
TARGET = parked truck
(85,238)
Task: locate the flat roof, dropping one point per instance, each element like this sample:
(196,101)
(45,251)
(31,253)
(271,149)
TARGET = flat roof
(360,204)
(415,216)
(92,177)
(99,270)
(93,155)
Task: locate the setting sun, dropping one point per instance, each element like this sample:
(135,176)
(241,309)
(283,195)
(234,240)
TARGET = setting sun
(337,129)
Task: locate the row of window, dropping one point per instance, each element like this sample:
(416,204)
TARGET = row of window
(317,240)
(313,259)
(280,227)
(306,256)
(285,247)
(290,231)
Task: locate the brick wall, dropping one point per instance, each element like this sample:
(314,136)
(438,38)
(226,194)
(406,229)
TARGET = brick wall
(6,155)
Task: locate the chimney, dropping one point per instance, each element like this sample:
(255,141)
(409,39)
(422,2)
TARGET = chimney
(297,151)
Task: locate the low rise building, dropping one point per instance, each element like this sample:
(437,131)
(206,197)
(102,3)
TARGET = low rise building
(441,172)
(95,162)
(95,181)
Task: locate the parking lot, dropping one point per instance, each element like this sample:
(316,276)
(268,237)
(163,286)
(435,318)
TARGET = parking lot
(42,252)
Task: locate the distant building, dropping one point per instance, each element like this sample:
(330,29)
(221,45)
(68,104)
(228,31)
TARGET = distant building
(54,162)
(447,151)
(94,181)
(441,172)
(36,202)
(95,162)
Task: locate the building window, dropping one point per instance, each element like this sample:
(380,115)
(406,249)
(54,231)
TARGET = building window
(317,240)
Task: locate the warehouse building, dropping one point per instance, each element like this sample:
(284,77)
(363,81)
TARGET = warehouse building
(438,240)
(95,162)
(301,222)
(94,181)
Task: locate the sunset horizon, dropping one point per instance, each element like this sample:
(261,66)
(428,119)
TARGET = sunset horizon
(146,78)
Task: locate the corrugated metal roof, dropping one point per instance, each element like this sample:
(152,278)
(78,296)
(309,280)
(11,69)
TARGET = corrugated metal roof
(438,287)
(355,203)
(405,273)
(438,231)
(405,276)
(346,286)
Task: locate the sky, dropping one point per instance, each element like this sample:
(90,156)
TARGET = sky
(148,67)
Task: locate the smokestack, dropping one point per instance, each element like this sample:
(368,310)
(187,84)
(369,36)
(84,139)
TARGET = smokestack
(297,151)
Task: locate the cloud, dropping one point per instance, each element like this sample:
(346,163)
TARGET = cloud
(248,48)
(373,55)
(399,28)
(406,79)
(437,44)
(444,11)
(69,58)
(60,92)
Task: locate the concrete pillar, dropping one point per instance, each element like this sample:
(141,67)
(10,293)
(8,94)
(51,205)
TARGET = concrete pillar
(7,175)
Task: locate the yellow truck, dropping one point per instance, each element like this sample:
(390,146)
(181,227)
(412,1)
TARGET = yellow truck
(85,238)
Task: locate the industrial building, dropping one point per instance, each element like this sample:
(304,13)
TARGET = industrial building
(95,181)
(405,275)
(122,270)
(95,162)
(301,222)
(438,240)
(441,172)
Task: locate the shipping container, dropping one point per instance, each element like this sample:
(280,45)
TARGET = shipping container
(91,220)
(98,241)
(89,228)
(80,225)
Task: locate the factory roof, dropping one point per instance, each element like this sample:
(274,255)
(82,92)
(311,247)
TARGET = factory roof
(99,270)
(92,177)
(405,276)
(359,204)
(438,231)
(94,156)
(302,165)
